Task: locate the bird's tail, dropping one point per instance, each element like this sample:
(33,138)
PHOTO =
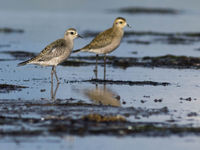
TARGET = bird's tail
(24,63)
(76,51)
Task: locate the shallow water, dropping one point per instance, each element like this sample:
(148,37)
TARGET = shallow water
(29,115)
(102,142)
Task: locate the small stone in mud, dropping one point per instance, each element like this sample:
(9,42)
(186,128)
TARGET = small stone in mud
(143,101)
(158,100)
(145,96)
(135,52)
(101,118)
(186,99)
(124,102)
(192,114)
(171,120)
(136,117)
(42,90)
(164,109)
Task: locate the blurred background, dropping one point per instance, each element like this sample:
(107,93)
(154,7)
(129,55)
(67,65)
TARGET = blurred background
(46,20)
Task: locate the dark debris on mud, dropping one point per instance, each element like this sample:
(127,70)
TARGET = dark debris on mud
(122,129)
(131,83)
(147,10)
(20,55)
(82,127)
(57,119)
(167,61)
(188,99)
(4,45)
(10,30)
(6,88)
(172,61)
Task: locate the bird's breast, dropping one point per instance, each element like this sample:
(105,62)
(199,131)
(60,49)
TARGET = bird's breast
(108,48)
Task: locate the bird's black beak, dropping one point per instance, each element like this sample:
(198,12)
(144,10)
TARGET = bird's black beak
(80,36)
(128,25)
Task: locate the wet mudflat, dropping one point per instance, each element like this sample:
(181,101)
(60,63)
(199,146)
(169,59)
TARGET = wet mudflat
(150,96)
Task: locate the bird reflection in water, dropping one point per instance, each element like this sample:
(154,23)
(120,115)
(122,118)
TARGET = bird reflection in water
(103,96)
(53,92)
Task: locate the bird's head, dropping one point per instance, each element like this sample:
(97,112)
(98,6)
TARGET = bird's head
(120,22)
(72,33)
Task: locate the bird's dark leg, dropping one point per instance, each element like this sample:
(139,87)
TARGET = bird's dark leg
(105,67)
(52,71)
(54,68)
(96,69)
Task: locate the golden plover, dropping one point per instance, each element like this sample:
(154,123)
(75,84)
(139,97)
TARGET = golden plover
(106,41)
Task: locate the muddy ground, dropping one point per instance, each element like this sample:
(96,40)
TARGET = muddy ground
(57,117)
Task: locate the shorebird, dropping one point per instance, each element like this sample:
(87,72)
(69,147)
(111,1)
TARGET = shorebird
(106,42)
(55,53)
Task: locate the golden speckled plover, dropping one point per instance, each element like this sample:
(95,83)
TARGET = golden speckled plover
(106,41)
(55,53)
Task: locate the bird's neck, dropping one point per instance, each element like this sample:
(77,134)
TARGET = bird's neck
(118,31)
(69,42)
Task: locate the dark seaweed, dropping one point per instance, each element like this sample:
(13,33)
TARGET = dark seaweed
(6,88)
(148,11)
(120,82)
(10,30)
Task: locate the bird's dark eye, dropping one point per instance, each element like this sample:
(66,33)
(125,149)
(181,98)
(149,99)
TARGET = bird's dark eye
(120,22)
(72,33)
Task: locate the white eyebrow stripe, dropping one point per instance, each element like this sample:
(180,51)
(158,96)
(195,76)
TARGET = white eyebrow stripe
(121,20)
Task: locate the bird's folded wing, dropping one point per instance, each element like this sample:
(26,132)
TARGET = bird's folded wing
(101,40)
(52,50)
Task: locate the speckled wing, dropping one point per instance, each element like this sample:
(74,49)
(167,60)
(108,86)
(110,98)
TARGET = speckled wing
(52,50)
(101,40)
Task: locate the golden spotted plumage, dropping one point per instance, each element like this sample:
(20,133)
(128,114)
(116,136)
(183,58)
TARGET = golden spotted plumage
(106,41)
(101,40)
